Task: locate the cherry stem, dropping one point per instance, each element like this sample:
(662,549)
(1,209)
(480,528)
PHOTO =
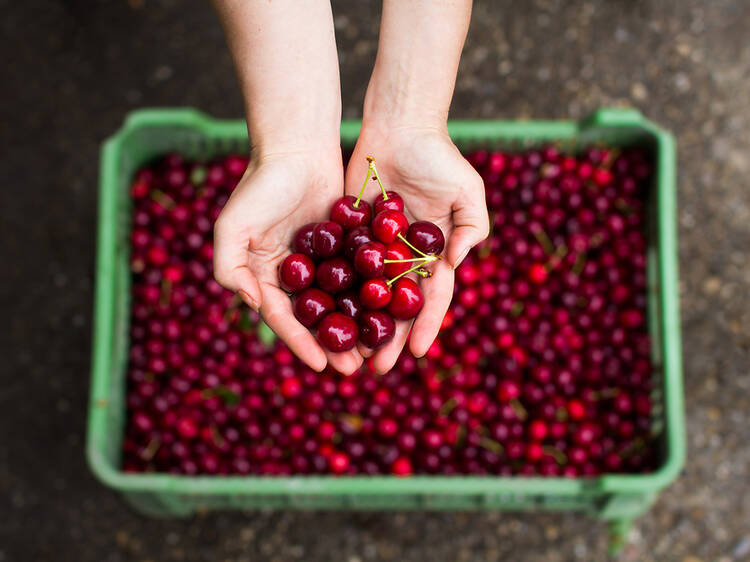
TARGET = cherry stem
(371,166)
(428,259)
(558,455)
(417,250)
(491,445)
(518,408)
(362,191)
(544,241)
(414,269)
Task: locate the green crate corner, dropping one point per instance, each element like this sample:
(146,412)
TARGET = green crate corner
(617,499)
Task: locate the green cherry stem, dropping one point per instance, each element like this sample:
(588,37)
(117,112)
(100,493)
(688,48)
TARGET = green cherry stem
(428,259)
(362,191)
(420,252)
(414,269)
(371,167)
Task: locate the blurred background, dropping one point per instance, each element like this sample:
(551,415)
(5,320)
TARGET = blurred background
(73,69)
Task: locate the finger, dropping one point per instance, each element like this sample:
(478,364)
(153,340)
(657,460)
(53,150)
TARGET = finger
(230,266)
(346,362)
(471,222)
(438,292)
(385,357)
(277,313)
(365,351)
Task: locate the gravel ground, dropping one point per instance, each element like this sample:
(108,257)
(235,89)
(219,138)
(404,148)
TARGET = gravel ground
(73,69)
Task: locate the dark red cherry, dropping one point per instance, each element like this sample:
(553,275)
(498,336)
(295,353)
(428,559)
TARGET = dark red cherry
(426,237)
(397,251)
(407,299)
(327,239)
(349,304)
(387,225)
(296,272)
(335,275)
(355,238)
(337,332)
(348,215)
(302,242)
(311,305)
(375,293)
(376,328)
(368,260)
(393,203)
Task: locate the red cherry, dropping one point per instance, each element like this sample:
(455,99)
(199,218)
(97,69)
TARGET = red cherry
(355,238)
(335,275)
(296,272)
(508,390)
(348,215)
(376,328)
(397,251)
(537,273)
(375,293)
(302,242)
(311,305)
(338,462)
(407,299)
(387,225)
(349,304)
(368,260)
(426,237)
(291,387)
(393,203)
(337,332)
(402,467)
(327,239)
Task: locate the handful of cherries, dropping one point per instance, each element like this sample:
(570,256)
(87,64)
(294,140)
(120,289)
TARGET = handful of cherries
(349,275)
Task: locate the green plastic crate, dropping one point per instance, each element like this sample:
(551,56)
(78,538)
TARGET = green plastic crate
(614,498)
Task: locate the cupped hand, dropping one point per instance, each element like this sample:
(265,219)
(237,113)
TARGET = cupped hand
(437,185)
(277,195)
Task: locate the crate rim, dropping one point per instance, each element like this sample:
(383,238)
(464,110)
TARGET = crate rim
(538,130)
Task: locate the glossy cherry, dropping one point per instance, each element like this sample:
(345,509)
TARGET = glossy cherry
(302,241)
(349,304)
(350,212)
(426,237)
(375,293)
(311,305)
(368,260)
(393,203)
(337,332)
(397,251)
(327,239)
(407,299)
(335,275)
(296,272)
(355,238)
(388,224)
(376,328)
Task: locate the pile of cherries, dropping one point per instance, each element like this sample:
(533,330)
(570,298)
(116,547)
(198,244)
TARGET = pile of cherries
(542,366)
(348,274)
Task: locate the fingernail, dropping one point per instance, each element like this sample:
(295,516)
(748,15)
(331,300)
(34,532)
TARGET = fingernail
(461,257)
(248,300)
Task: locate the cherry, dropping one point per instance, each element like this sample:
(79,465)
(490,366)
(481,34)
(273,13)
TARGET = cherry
(296,272)
(375,293)
(426,237)
(311,305)
(302,241)
(339,463)
(335,275)
(337,332)
(402,467)
(394,252)
(355,238)
(349,304)
(376,328)
(407,299)
(327,239)
(368,260)
(388,224)
(351,212)
(393,203)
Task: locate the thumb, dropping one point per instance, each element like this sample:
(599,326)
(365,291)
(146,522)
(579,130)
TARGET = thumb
(471,223)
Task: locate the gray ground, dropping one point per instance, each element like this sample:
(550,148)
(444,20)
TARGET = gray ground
(73,69)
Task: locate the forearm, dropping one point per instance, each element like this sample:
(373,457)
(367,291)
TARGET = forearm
(285,56)
(417,61)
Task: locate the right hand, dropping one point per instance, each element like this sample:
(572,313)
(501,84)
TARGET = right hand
(278,194)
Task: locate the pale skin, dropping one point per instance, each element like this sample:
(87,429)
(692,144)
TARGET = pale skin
(285,55)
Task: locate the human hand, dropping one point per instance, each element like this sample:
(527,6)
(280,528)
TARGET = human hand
(437,185)
(277,195)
